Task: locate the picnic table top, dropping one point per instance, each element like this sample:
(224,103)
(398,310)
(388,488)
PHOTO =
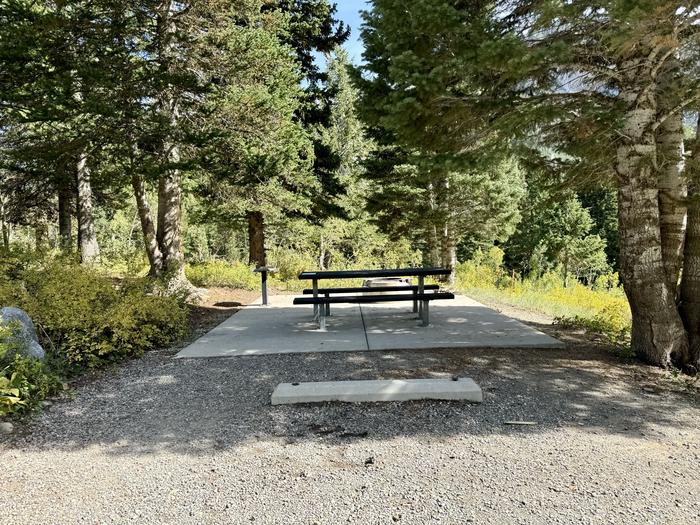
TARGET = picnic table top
(395,272)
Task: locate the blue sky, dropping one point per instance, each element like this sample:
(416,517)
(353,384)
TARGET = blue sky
(349,12)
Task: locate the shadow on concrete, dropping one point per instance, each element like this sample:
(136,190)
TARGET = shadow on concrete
(199,406)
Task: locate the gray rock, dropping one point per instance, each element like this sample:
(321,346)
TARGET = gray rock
(25,337)
(6,427)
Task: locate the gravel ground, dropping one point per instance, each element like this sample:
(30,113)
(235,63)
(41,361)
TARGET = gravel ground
(159,440)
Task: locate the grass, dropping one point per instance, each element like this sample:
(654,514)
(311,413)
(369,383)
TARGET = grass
(601,308)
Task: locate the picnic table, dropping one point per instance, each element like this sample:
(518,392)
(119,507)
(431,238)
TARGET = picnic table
(321,298)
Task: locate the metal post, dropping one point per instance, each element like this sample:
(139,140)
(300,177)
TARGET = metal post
(264,287)
(315,287)
(322,318)
(421,290)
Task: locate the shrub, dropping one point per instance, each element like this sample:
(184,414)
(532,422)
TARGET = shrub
(87,319)
(221,273)
(24,382)
(601,308)
(612,321)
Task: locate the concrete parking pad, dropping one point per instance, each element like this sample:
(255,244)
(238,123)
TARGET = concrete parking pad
(284,328)
(459,389)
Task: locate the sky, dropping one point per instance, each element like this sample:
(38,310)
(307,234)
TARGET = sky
(349,12)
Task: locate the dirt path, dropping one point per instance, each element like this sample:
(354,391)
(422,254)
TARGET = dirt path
(159,440)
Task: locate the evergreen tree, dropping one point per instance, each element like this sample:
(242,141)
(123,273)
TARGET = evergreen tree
(603,87)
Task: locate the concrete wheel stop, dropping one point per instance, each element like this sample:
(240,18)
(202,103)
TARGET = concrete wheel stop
(455,389)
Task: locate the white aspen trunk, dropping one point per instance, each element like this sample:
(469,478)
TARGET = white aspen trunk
(449,248)
(4,226)
(449,253)
(690,281)
(88,246)
(658,335)
(672,185)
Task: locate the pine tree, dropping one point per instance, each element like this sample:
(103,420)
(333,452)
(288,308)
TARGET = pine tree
(603,88)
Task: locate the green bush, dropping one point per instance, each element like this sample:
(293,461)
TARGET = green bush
(24,382)
(86,318)
(612,321)
(600,308)
(224,274)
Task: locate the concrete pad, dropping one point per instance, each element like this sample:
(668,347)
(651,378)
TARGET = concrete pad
(460,323)
(279,329)
(463,389)
(284,328)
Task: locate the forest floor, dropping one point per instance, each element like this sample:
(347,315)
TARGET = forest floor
(159,440)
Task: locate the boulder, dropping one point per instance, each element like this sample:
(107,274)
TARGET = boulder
(25,337)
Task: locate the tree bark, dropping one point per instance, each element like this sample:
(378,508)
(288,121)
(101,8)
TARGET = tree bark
(170,226)
(690,281)
(41,236)
(448,245)
(65,219)
(88,246)
(256,239)
(672,186)
(155,257)
(658,336)
(4,226)
(169,233)
(449,253)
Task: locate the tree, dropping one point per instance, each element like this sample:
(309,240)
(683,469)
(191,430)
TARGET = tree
(425,187)
(592,85)
(256,165)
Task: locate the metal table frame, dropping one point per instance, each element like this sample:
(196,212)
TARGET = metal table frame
(420,273)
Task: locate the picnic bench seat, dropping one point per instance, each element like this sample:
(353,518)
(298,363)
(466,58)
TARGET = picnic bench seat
(358,289)
(424,298)
(372,289)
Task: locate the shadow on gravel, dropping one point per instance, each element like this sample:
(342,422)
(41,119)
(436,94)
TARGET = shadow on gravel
(200,406)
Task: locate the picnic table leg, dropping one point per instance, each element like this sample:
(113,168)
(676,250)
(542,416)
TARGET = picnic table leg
(328,306)
(415,301)
(315,287)
(322,318)
(421,290)
(426,313)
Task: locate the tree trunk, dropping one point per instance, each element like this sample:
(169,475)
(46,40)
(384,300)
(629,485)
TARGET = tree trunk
(89,248)
(4,226)
(672,187)
(170,224)
(449,253)
(41,236)
(690,281)
(322,253)
(169,233)
(256,239)
(448,246)
(155,257)
(65,219)
(658,336)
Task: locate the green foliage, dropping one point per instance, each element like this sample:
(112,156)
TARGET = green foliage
(612,321)
(24,382)
(601,308)
(87,318)
(221,273)
(556,235)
